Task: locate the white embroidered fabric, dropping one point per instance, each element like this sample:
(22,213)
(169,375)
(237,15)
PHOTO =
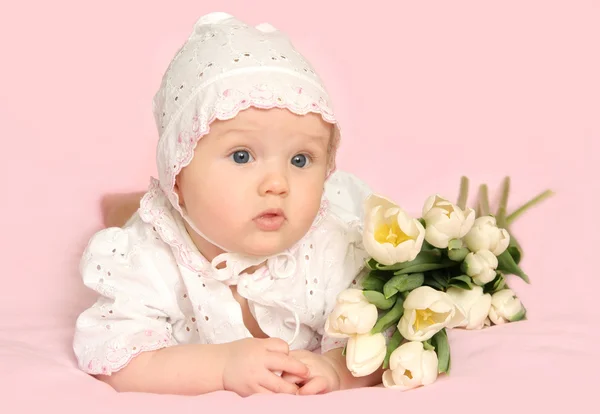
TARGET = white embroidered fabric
(156,290)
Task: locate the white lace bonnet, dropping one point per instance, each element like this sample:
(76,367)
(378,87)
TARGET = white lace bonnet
(226,66)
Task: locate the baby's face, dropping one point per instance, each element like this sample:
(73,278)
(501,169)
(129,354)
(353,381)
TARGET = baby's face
(255,183)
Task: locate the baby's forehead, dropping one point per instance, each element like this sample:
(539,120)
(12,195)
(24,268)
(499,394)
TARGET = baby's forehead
(275,119)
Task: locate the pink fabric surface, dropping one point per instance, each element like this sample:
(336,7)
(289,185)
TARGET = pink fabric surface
(429,90)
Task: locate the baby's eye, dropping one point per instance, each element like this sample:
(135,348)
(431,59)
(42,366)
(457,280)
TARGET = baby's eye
(300,160)
(241,157)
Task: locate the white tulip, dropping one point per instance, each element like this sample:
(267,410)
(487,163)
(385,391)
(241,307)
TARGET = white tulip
(353,314)
(391,236)
(365,353)
(481,266)
(474,303)
(411,366)
(445,221)
(485,235)
(426,312)
(506,307)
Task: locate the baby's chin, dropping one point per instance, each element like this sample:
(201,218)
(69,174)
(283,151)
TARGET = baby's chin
(268,244)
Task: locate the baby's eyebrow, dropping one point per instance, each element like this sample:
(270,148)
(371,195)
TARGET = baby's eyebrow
(316,136)
(236,131)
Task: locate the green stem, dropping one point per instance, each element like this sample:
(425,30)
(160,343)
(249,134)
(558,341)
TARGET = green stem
(484,203)
(463,192)
(501,213)
(534,201)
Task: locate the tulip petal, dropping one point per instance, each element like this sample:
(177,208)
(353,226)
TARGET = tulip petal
(429,366)
(436,237)
(422,297)
(479,311)
(388,382)
(365,354)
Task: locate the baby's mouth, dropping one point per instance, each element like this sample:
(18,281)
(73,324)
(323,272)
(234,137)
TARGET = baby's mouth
(270,220)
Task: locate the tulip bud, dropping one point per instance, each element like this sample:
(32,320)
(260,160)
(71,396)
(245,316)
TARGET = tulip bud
(411,366)
(365,353)
(353,314)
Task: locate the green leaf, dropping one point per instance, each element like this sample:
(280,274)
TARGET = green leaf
(442,349)
(463,192)
(427,346)
(483,199)
(502,205)
(426,267)
(427,256)
(495,285)
(506,264)
(434,284)
(462,282)
(531,203)
(499,283)
(377,299)
(515,250)
(372,264)
(374,281)
(344,351)
(393,343)
(441,277)
(391,317)
(402,283)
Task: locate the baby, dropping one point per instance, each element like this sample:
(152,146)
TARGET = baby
(225,275)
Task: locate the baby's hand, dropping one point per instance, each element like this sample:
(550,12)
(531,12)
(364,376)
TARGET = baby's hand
(251,364)
(323,376)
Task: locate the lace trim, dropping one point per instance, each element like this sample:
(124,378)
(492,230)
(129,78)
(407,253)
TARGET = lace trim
(116,358)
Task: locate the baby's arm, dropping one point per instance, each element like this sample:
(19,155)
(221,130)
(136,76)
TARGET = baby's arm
(245,367)
(180,369)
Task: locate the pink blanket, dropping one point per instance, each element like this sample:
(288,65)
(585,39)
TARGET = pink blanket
(478,88)
(546,364)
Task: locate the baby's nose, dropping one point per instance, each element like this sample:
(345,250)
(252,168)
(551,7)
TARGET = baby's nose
(274,183)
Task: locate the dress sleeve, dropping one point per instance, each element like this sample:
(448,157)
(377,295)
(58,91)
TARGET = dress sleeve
(344,255)
(134,274)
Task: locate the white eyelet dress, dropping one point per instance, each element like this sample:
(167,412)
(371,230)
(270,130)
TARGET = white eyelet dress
(156,290)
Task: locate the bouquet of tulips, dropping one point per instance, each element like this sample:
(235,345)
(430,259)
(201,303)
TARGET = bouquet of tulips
(446,269)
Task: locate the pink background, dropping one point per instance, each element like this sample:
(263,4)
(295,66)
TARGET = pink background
(428,91)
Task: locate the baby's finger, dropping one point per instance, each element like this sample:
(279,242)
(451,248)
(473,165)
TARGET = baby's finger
(277,345)
(316,385)
(259,389)
(278,385)
(293,379)
(287,364)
